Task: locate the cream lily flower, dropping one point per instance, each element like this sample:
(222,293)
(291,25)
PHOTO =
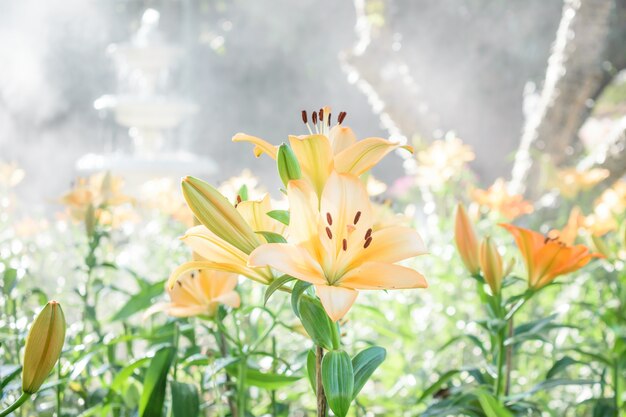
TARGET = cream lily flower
(335,248)
(199,292)
(330,148)
(221,255)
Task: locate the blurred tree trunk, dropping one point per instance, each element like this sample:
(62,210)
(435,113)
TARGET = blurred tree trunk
(588,51)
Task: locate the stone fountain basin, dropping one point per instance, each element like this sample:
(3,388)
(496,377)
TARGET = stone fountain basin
(147,113)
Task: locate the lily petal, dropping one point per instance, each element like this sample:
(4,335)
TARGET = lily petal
(261,146)
(341,137)
(336,300)
(230,299)
(288,259)
(363,155)
(315,156)
(392,244)
(381,275)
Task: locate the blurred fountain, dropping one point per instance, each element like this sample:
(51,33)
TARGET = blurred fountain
(146,106)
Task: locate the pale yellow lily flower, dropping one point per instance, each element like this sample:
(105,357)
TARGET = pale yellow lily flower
(218,254)
(199,293)
(335,247)
(329,148)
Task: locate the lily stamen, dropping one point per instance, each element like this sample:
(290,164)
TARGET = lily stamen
(345,245)
(357,217)
(329,233)
(367,242)
(329,219)
(368,233)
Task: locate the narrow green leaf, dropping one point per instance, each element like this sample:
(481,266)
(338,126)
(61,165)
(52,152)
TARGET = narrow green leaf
(364,364)
(310,369)
(491,406)
(316,322)
(275,285)
(438,384)
(9,280)
(185,400)
(8,373)
(126,372)
(217,366)
(280,215)
(140,301)
(296,292)
(266,380)
(271,237)
(155,384)
(338,381)
(560,366)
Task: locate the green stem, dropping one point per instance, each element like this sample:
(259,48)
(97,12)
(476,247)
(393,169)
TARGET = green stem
(322,404)
(336,336)
(500,364)
(17,404)
(617,388)
(241,385)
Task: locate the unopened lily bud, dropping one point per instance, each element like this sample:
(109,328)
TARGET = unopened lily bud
(43,346)
(465,238)
(491,264)
(288,165)
(218,215)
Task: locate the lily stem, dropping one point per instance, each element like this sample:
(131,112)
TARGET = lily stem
(321,397)
(500,364)
(17,404)
(509,359)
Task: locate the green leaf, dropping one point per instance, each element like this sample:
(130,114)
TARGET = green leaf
(438,384)
(296,292)
(272,237)
(280,215)
(126,372)
(560,365)
(316,322)
(217,366)
(310,369)
(364,364)
(338,381)
(9,280)
(140,301)
(266,380)
(8,373)
(185,400)
(155,383)
(275,285)
(491,406)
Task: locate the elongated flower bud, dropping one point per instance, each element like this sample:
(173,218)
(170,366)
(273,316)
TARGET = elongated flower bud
(600,246)
(491,265)
(218,215)
(43,346)
(466,242)
(288,165)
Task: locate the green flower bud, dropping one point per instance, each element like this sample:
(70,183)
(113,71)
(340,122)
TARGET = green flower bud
(288,165)
(43,346)
(218,215)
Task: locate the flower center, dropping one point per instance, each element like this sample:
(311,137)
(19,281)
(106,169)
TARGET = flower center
(321,120)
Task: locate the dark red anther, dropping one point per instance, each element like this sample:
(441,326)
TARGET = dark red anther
(367,242)
(357,217)
(328,119)
(314,117)
(180,284)
(238,199)
(368,233)
(329,219)
(329,233)
(342,116)
(321,115)
(305,119)
(344,244)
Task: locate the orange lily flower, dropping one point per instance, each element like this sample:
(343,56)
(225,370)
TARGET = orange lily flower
(546,258)
(335,247)
(329,148)
(466,241)
(199,292)
(571,181)
(498,198)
